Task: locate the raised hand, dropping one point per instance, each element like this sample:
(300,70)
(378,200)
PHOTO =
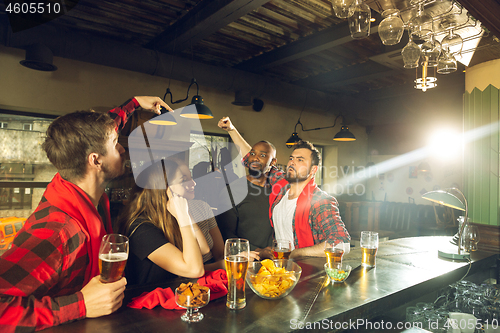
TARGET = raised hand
(152,103)
(225,124)
(178,207)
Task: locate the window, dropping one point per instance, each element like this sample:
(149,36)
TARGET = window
(18,226)
(25,170)
(206,145)
(8,229)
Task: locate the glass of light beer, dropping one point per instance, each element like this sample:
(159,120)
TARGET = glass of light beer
(236,258)
(113,255)
(369,247)
(334,254)
(282,249)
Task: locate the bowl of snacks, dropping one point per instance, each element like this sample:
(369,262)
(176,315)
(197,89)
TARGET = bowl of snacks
(192,296)
(273,279)
(338,273)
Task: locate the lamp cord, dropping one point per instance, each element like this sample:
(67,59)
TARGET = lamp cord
(470,265)
(318,128)
(192,53)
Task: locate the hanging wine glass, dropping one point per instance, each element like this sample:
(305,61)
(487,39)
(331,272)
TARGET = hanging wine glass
(447,63)
(411,54)
(421,24)
(343,8)
(431,50)
(391,29)
(359,21)
(452,43)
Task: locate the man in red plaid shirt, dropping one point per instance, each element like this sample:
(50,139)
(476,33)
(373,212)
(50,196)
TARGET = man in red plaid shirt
(299,210)
(51,273)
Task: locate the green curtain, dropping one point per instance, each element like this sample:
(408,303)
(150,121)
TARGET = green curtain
(481,156)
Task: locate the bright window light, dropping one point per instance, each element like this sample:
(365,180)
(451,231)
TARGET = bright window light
(445,144)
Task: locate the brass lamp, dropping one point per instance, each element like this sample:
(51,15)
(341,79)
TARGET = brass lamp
(446,198)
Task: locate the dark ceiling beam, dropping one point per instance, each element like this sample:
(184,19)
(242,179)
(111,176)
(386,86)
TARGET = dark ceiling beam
(449,81)
(365,78)
(323,40)
(486,11)
(107,52)
(355,74)
(205,19)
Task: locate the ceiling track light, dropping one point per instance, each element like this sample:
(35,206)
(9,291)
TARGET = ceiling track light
(200,111)
(343,135)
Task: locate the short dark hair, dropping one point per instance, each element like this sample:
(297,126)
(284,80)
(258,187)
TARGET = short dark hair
(72,137)
(269,143)
(315,155)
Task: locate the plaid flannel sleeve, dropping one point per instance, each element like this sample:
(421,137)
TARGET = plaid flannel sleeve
(273,176)
(326,222)
(121,114)
(41,262)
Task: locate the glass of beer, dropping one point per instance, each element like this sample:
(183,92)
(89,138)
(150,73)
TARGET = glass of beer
(334,254)
(236,258)
(113,255)
(369,247)
(282,249)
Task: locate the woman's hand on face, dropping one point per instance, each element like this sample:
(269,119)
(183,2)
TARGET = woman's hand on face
(178,207)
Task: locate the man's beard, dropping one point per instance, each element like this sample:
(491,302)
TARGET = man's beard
(109,175)
(255,173)
(296,178)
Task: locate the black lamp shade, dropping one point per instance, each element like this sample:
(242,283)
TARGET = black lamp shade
(201,111)
(165,119)
(39,57)
(294,140)
(344,135)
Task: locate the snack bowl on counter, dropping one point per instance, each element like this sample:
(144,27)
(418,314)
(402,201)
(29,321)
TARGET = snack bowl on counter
(273,279)
(338,273)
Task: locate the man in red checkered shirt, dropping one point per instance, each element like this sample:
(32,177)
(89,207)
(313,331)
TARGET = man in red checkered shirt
(299,211)
(51,273)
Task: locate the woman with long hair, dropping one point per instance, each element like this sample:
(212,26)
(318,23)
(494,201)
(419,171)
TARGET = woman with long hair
(164,240)
(201,213)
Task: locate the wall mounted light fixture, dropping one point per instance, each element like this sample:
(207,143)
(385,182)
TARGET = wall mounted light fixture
(165,119)
(343,135)
(200,111)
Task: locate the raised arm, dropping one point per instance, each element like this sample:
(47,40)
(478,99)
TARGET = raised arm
(243,146)
(122,113)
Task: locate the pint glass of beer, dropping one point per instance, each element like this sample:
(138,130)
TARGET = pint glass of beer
(113,255)
(236,258)
(369,246)
(282,249)
(334,254)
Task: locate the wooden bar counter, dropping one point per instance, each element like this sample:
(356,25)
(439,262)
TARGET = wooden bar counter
(406,269)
